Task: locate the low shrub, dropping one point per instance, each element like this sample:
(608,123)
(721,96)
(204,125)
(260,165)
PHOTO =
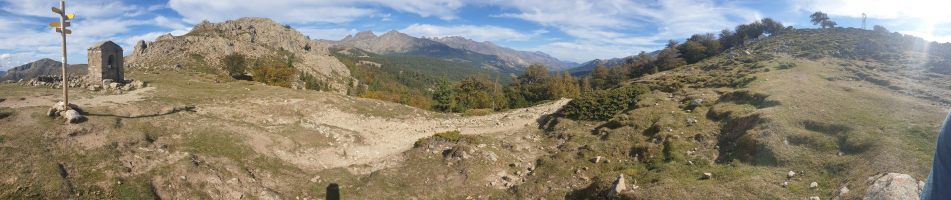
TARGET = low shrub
(448,136)
(603,104)
(275,74)
(478,112)
(787,65)
(236,65)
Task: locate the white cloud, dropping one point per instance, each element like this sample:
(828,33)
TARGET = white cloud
(598,25)
(308,11)
(921,18)
(86,9)
(882,9)
(477,33)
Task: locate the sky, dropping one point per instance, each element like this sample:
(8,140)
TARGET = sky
(571,30)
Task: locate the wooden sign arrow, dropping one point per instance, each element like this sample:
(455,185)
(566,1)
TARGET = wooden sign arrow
(59,30)
(57,24)
(57,10)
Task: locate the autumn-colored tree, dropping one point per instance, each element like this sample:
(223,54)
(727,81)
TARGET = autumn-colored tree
(563,85)
(476,92)
(669,58)
(600,77)
(276,74)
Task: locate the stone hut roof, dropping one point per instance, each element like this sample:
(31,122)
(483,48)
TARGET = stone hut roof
(105,45)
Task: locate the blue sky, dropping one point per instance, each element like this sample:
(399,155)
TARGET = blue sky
(569,30)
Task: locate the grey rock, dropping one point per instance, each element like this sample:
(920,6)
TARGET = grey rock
(893,186)
(72,116)
(94,87)
(138,84)
(619,186)
(696,102)
(790,174)
(707,175)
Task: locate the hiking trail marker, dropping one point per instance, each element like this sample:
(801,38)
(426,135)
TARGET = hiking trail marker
(61,28)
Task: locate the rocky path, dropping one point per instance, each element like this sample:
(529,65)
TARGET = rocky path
(93,101)
(358,138)
(384,138)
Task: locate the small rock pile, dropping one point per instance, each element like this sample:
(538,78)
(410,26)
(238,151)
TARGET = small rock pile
(71,113)
(83,82)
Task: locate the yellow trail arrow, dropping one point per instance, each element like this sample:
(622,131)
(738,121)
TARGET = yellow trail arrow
(70,16)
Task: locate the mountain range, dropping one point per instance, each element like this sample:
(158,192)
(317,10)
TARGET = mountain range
(41,67)
(483,54)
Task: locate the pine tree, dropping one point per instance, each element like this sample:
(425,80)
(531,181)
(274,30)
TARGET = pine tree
(600,77)
(443,97)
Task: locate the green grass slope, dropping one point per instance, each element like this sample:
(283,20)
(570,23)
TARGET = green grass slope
(809,101)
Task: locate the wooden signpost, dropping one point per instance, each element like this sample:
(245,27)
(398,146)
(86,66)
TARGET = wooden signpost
(61,27)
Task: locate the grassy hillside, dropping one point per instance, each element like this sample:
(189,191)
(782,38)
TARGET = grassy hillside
(818,102)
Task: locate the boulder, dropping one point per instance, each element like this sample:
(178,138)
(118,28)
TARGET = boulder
(813,185)
(59,107)
(790,174)
(814,198)
(695,102)
(138,84)
(893,186)
(94,87)
(619,186)
(72,116)
(707,175)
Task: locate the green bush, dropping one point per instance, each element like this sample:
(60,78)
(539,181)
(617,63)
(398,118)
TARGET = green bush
(478,112)
(603,104)
(312,83)
(275,74)
(787,65)
(448,136)
(236,65)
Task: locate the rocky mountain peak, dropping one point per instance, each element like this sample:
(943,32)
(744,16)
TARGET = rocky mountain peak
(395,34)
(365,35)
(255,38)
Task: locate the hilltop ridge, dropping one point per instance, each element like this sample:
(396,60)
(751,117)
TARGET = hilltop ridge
(259,39)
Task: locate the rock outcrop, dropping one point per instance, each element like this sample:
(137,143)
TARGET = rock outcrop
(255,38)
(893,186)
(42,67)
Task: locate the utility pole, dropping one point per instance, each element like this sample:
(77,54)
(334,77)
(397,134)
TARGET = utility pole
(61,28)
(864,17)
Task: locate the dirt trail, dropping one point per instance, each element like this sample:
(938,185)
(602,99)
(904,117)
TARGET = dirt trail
(384,138)
(356,138)
(95,101)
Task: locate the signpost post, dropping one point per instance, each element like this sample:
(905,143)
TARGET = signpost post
(61,27)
